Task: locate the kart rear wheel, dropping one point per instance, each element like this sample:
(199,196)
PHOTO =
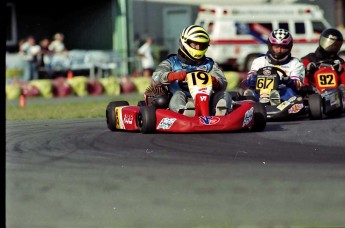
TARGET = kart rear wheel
(146,119)
(260,117)
(315,106)
(110,113)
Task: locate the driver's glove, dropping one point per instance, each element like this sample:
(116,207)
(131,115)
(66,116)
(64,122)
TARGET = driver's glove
(292,83)
(297,83)
(286,80)
(251,79)
(179,76)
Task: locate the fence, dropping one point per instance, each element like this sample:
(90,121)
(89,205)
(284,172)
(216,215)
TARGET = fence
(92,63)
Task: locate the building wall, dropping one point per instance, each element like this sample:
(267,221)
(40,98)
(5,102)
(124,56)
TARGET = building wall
(85,26)
(91,25)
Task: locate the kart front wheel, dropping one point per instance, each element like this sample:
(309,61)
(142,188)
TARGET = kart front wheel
(260,117)
(146,119)
(315,106)
(111,115)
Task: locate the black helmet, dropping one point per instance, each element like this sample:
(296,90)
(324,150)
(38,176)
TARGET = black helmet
(331,40)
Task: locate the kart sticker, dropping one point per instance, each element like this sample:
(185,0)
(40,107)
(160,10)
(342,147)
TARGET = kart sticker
(128,119)
(283,105)
(248,117)
(265,82)
(118,114)
(335,100)
(166,123)
(209,120)
(295,108)
(292,99)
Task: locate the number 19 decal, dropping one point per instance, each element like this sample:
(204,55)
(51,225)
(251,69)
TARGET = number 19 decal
(199,78)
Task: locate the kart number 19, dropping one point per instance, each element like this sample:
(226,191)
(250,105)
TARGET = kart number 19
(199,78)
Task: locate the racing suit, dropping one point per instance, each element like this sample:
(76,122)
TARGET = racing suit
(321,55)
(180,92)
(293,68)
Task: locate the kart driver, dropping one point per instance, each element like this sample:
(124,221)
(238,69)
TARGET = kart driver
(330,43)
(279,44)
(193,44)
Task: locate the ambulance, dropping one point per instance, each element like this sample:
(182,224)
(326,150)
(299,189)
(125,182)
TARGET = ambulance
(239,32)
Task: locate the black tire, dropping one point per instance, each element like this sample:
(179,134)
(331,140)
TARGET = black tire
(110,113)
(141,103)
(315,106)
(260,117)
(146,119)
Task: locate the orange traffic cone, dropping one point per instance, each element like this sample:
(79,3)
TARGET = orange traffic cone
(22,101)
(70,74)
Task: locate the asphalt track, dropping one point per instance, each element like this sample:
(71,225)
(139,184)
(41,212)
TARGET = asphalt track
(77,173)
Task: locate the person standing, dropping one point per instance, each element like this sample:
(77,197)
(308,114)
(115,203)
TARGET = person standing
(147,61)
(57,45)
(30,51)
(59,59)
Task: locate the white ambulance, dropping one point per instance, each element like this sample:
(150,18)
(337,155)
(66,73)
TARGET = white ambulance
(239,33)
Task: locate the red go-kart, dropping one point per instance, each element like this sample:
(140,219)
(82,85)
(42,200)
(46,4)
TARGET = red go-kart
(324,95)
(148,117)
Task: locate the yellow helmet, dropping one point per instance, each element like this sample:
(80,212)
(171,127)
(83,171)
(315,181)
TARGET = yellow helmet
(194,33)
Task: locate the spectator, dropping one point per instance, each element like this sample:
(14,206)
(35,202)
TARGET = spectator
(59,61)
(147,62)
(45,57)
(44,44)
(30,51)
(57,45)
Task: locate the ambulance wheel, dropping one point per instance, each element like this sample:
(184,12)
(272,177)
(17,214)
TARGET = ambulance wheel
(315,106)
(260,117)
(146,119)
(111,115)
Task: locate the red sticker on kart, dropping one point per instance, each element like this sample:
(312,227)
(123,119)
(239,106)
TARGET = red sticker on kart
(209,120)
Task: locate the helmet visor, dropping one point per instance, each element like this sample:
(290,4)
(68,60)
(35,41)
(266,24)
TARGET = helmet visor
(197,45)
(330,45)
